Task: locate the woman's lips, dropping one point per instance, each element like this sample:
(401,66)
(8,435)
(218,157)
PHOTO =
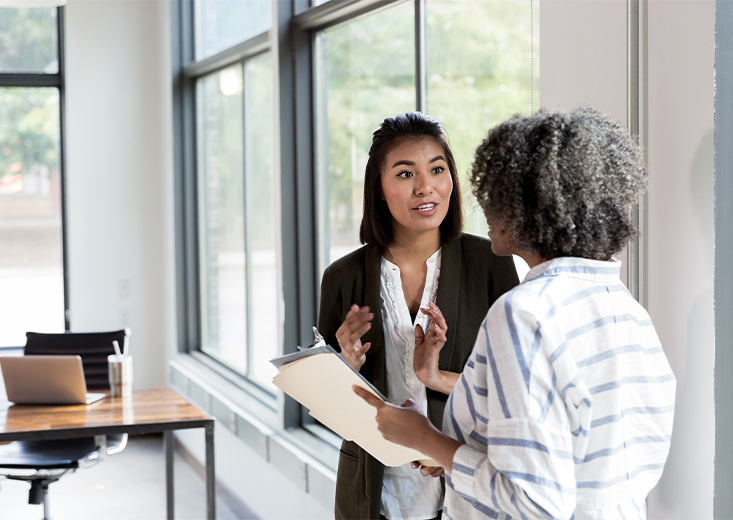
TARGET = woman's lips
(426,208)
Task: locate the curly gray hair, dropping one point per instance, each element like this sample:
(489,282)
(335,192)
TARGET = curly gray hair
(563,183)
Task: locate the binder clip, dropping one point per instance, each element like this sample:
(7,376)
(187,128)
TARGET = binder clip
(318,340)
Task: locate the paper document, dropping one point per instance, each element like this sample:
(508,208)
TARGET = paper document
(320,379)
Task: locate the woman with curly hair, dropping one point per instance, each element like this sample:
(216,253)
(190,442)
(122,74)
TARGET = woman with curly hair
(404,308)
(565,407)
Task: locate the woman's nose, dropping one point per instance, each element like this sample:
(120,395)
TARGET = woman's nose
(423,186)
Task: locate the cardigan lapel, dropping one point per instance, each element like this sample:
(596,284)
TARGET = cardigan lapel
(448,295)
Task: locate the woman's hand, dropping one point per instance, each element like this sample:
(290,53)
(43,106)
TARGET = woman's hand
(406,425)
(428,471)
(399,424)
(357,323)
(427,352)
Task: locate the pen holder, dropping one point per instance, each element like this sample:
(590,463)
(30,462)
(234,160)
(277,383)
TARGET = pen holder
(120,375)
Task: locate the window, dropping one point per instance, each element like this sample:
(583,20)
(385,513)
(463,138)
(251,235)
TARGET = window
(477,68)
(233,262)
(277,105)
(366,73)
(31,204)
(221,24)
(478,73)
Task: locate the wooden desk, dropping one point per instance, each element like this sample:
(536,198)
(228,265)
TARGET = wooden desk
(152,410)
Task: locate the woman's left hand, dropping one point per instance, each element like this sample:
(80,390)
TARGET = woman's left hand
(427,352)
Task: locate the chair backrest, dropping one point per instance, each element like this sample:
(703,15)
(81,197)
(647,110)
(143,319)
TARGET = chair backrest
(93,347)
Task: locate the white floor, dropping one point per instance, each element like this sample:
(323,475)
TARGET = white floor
(128,485)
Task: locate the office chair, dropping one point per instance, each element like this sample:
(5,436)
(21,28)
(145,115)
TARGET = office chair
(42,463)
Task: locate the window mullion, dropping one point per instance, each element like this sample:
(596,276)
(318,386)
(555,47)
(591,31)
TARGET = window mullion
(248,300)
(421,78)
(62,162)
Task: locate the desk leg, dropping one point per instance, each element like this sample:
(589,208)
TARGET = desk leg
(210,473)
(169,445)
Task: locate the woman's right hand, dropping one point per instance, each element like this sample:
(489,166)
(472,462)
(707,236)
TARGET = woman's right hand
(357,323)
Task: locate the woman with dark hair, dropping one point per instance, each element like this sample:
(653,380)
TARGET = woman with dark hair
(405,307)
(565,407)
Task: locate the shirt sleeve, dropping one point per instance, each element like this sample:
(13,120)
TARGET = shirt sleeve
(524,465)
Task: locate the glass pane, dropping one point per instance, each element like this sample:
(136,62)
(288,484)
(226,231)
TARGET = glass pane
(221,217)
(479,73)
(31,263)
(28,40)
(261,219)
(365,72)
(224,23)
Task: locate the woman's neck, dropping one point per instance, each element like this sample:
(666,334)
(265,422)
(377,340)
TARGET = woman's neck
(414,248)
(532,259)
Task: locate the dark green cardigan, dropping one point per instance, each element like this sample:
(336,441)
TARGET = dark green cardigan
(471,279)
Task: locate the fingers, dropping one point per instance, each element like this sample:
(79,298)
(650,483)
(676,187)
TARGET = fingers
(427,471)
(437,334)
(357,350)
(355,325)
(437,331)
(358,321)
(433,312)
(370,398)
(431,471)
(419,334)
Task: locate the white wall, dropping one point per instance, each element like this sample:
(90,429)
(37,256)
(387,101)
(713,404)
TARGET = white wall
(119,175)
(680,241)
(582,56)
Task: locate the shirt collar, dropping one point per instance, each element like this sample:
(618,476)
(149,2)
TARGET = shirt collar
(600,270)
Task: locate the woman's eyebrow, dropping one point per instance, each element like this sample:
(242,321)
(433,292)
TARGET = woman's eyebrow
(403,161)
(407,162)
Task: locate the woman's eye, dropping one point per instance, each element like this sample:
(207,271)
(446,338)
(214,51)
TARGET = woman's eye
(405,174)
(438,169)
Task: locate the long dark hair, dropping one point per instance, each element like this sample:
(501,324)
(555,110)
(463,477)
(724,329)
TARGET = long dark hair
(376,222)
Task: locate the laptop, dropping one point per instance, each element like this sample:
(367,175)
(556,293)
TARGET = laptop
(46,380)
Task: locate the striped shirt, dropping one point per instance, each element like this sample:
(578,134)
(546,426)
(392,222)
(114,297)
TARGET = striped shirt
(565,407)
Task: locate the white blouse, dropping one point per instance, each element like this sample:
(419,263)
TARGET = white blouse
(406,494)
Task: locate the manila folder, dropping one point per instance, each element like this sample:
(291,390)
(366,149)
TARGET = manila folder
(322,383)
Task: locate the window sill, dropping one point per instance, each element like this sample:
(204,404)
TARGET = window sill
(308,457)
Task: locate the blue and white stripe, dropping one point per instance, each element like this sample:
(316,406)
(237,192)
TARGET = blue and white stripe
(565,407)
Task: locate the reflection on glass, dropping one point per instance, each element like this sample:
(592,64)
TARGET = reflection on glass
(221,220)
(31,265)
(478,74)
(223,23)
(261,218)
(365,71)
